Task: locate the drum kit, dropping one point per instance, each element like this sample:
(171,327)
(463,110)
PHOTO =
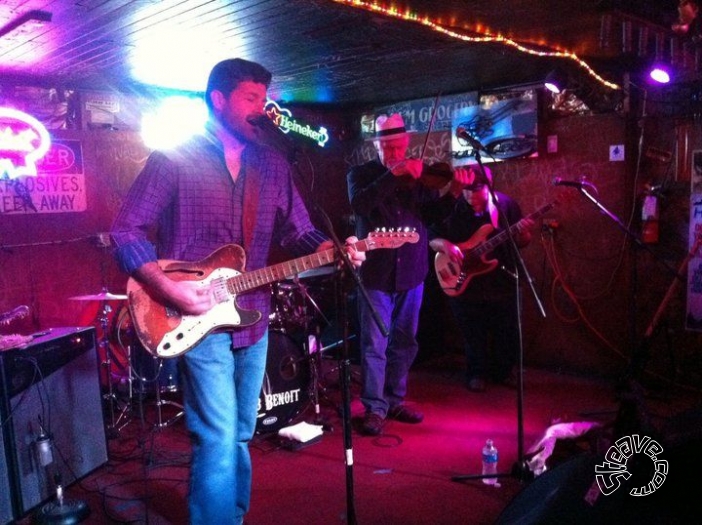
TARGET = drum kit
(292,367)
(127,363)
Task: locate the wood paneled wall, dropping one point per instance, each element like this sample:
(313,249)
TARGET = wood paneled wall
(47,258)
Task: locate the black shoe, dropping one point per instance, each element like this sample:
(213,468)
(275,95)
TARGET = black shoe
(403,414)
(372,424)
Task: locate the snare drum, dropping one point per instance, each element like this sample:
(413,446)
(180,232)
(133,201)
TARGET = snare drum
(285,389)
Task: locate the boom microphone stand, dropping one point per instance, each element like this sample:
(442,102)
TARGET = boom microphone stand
(520,470)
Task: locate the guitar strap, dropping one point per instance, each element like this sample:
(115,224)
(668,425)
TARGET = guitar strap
(252,191)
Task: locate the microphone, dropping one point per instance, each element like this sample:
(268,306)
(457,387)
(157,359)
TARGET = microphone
(279,138)
(263,122)
(557,181)
(462,133)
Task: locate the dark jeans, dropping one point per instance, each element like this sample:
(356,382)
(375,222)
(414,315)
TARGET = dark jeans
(491,336)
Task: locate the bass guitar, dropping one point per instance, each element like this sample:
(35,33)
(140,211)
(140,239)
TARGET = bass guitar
(453,277)
(166,332)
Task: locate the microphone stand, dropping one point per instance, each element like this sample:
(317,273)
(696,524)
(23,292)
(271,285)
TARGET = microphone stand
(520,470)
(638,351)
(345,363)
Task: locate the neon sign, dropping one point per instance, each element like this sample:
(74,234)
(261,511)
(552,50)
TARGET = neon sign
(283,118)
(23,141)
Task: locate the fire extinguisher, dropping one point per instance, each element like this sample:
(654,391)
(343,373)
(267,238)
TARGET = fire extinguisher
(649,217)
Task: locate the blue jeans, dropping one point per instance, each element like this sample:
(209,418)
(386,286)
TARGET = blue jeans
(221,388)
(385,361)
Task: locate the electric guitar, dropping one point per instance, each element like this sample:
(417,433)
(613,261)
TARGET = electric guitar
(453,277)
(165,332)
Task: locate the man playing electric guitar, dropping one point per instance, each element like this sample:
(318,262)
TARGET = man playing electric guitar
(486,308)
(218,189)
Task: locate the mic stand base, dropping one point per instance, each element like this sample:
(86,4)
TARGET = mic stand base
(66,513)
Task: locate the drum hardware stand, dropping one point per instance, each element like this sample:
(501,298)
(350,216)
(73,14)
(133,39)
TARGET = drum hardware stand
(121,420)
(160,423)
(158,402)
(313,346)
(314,354)
(520,470)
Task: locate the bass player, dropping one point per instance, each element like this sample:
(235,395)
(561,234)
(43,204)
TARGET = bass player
(486,310)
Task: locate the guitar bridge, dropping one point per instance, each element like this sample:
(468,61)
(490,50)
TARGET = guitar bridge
(461,277)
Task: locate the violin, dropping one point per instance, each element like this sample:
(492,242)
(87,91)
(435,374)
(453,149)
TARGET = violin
(434,176)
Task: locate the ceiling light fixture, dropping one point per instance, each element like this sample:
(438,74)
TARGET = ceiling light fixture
(556,81)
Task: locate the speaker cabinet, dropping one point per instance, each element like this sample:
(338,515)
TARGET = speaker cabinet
(5,499)
(50,390)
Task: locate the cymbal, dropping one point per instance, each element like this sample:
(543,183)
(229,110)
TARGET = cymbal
(102,296)
(317,272)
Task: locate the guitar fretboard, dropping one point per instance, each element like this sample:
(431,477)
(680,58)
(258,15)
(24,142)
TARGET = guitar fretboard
(494,242)
(256,278)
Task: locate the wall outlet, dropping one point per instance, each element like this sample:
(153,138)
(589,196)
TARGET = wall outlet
(616,153)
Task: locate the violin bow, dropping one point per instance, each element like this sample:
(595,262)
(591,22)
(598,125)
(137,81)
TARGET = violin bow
(431,125)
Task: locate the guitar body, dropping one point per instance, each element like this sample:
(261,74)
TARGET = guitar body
(165,332)
(454,278)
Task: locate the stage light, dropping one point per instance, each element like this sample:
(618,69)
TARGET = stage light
(556,81)
(660,73)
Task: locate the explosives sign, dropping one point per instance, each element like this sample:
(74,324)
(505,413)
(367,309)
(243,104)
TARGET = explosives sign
(58,187)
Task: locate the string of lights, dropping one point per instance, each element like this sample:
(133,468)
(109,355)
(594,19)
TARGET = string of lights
(407,15)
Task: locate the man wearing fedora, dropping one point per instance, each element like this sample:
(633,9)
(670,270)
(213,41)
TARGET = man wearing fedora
(385,193)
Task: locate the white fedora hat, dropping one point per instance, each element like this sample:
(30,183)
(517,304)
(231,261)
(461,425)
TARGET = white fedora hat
(389,127)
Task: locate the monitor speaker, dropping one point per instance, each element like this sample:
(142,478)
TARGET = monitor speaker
(51,407)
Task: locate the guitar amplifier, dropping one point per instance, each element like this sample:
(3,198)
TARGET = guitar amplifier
(49,390)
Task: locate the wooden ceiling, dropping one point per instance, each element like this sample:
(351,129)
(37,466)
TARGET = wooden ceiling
(335,53)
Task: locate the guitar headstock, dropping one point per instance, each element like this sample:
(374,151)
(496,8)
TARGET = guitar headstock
(16,313)
(391,238)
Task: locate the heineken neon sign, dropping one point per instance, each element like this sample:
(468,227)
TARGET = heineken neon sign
(23,142)
(283,118)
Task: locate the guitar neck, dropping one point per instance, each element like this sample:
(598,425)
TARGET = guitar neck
(494,242)
(256,278)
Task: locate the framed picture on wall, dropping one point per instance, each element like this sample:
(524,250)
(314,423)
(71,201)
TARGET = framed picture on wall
(500,127)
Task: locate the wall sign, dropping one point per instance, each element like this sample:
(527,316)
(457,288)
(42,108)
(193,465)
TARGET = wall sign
(283,118)
(23,142)
(58,187)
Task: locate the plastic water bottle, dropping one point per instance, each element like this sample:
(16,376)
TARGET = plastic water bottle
(489,463)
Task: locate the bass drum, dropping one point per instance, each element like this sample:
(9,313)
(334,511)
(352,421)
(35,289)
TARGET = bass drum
(285,389)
